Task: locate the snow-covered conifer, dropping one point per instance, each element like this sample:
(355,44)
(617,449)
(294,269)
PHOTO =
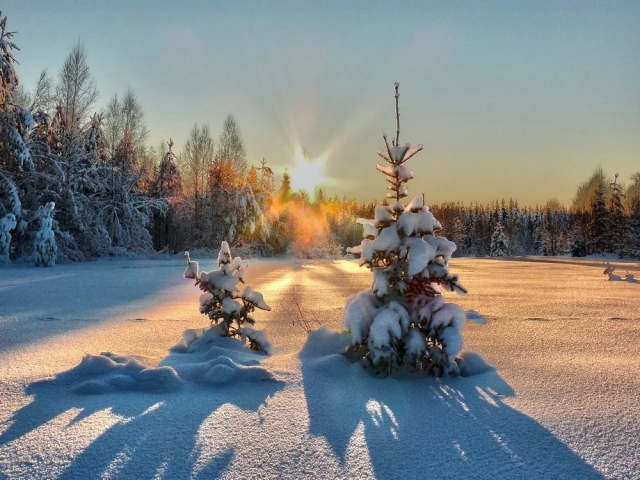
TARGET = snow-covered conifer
(600,223)
(7,223)
(15,122)
(169,181)
(633,231)
(403,319)
(44,245)
(499,246)
(225,303)
(618,220)
(10,212)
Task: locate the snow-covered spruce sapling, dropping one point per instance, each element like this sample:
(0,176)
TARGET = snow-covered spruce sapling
(226,305)
(44,245)
(403,321)
(7,223)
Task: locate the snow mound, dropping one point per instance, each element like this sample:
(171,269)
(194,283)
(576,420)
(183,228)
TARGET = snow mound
(471,363)
(323,342)
(108,372)
(327,350)
(221,370)
(205,356)
(197,339)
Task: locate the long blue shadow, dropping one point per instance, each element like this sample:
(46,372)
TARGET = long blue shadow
(427,427)
(38,303)
(158,436)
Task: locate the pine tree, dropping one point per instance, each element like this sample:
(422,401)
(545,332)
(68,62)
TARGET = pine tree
(403,319)
(15,122)
(44,245)
(225,304)
(169,181)
(633,232)
(618,220)
(284,192)
(168,186)
(554,230)
(600,222)
(499,246)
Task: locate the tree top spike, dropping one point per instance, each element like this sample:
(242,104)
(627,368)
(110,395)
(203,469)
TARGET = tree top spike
(170,143)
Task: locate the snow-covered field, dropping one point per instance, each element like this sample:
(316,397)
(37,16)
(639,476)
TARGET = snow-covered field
(563,402)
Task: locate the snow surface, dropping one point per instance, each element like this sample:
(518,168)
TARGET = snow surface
(550,392)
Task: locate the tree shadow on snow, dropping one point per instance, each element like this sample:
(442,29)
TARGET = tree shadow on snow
(157,434)
(76,296)
(427,427)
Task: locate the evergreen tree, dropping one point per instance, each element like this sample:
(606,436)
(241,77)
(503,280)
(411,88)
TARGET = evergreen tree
(403,319)
(618,220)
(633,231)
(44,246)
(10,211)
(582,208)
(284,192)
(499,246)
(7,223)
(168,186)
(554,230)
(225,303)
(632,241)
(600,224)
(15,122)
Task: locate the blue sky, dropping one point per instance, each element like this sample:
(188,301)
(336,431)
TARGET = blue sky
(509,99)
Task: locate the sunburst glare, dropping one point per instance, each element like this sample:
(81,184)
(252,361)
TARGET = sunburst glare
(308,173)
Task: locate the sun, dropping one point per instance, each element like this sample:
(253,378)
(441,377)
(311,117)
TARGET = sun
(307,174)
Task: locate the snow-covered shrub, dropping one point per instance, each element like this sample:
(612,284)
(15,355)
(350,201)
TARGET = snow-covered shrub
(44,245)
(10,213)
(403,321)
(15,122)
(7,223)
(225,303)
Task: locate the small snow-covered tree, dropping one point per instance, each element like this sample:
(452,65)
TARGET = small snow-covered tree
(225,303)
(499,246)
(7,223)
(15,122)
(44,245)
(402,320)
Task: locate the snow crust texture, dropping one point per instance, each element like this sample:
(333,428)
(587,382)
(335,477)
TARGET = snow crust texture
(556,405)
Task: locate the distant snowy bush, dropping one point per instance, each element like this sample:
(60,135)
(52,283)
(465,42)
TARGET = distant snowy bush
(44,245)
(225,303)
(403,320)
(7,223)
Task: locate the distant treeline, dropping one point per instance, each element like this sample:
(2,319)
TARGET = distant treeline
(90,182)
